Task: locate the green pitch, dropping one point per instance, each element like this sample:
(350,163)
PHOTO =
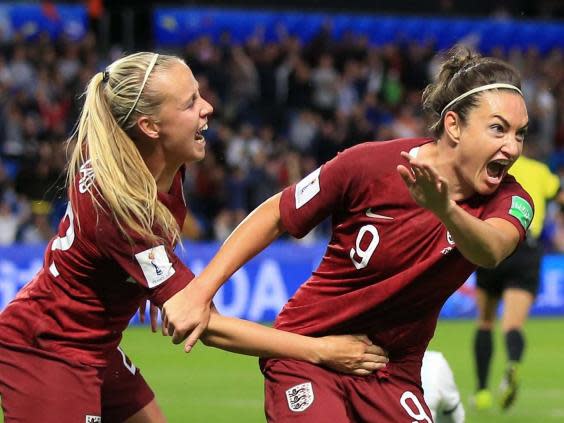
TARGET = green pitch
(541,397)
(210,385)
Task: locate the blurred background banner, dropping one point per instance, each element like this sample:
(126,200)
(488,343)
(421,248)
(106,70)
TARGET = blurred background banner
(290,88)
(31,20)
(260,289)
(177,26)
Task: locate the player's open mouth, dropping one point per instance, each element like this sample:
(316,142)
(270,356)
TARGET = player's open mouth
(496,170)
(199,133)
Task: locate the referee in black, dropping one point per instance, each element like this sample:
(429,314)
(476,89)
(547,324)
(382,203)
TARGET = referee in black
(516,282)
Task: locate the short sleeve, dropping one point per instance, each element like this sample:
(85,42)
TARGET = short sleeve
(156,267)
(513,204)
(305,204)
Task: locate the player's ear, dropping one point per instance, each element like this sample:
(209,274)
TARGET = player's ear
(148,127)
(452,126)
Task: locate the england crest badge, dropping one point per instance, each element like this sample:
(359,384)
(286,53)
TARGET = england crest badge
(300,397)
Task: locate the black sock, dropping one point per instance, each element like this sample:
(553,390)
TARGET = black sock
(483,348)
(515,343)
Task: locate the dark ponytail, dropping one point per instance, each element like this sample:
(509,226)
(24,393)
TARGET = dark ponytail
(461,71)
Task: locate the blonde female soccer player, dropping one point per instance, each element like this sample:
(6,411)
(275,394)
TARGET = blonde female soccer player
(142,120)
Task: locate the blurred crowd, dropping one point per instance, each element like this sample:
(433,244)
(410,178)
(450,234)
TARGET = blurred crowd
(281,110)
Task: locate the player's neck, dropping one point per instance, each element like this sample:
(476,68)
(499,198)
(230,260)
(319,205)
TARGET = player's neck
(162,171)
(430,153)
(165,178)
(440,156)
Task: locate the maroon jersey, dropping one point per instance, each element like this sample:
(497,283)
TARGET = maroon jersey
(390,264)
(93,280)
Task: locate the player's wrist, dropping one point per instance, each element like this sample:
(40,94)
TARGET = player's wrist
(445,214)
(200,290)
(319,352)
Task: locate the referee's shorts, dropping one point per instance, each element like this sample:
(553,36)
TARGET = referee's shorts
(520,270)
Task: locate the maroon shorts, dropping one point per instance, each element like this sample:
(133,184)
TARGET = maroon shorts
(302,392)
(124,391)
(39,387)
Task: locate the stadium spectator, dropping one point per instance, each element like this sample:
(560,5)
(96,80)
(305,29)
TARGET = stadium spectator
(516,282)
(13,209)
(348,92)
(244,82)
(36,227)
(9,222)
(302,131)
(411,220)
(293,81)
(21,70)
(241,149)
(553,232)
(325,80)
(440,390)
(386,78)
(142,120)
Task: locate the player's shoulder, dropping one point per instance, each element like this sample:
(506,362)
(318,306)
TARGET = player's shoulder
(399,144)
(521,200)
(375,153)
(88,205)
(85,197)
(510,186)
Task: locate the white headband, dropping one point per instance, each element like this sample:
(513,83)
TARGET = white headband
(478,89)
(147,73)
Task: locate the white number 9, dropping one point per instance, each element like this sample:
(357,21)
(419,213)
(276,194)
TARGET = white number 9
(419,414)
(365,254)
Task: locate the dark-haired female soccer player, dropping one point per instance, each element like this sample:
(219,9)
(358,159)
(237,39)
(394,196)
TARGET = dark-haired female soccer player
(411,220)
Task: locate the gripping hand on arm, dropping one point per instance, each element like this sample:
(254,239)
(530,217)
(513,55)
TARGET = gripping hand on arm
(484,243)
(153,314)
(186,315)
(353,354)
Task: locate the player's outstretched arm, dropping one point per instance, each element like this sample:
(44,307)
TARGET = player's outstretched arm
(183,312)
(485,243)
(354,354)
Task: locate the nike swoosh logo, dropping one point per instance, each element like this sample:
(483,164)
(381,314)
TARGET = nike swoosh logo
(376,215)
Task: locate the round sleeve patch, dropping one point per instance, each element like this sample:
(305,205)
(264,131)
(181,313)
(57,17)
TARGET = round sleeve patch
(521,210)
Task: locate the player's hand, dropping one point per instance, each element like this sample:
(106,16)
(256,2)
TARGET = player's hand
(426,186)
(153,314)
(186,315)
(353,354)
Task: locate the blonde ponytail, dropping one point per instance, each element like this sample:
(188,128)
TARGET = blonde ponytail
(121,177)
